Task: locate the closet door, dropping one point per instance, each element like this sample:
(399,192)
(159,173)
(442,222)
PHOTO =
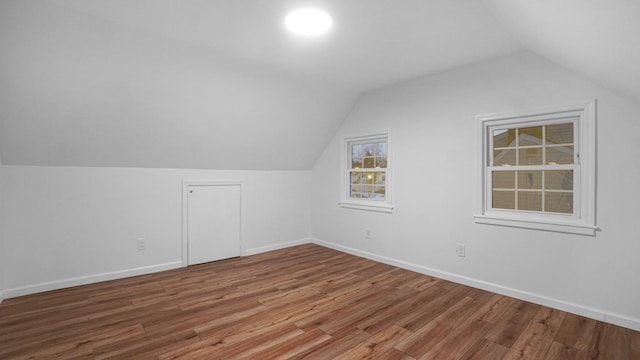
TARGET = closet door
(213,224)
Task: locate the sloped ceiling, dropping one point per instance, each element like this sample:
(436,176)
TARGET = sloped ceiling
(219,84)
(210,83)
(599,39)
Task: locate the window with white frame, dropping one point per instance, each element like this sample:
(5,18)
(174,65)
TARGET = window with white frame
(538,170)
(366,177)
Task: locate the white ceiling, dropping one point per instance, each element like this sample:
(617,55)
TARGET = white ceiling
(372,43)
(600,39)
(220,84)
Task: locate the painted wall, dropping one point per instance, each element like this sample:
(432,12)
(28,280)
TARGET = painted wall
(2,252)
(434,190)
(69,225)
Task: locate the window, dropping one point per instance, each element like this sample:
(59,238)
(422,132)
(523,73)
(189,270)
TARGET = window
(366,179)
(538,170)
(531,168)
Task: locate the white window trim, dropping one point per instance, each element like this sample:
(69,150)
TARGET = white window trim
(369,205)
(584,221)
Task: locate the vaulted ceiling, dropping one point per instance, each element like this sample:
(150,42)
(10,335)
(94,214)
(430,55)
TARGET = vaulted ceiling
(220,84)
(599,39)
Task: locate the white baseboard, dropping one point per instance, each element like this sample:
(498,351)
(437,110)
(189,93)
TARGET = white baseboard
(1,295)
(89,279)
(278,246)
(597,314)
(622,320)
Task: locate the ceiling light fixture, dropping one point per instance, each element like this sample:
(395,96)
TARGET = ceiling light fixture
(308,22)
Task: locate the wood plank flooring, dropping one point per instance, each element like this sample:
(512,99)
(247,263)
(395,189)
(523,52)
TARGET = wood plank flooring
(305,302)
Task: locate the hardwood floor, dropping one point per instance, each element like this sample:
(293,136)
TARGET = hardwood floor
(306,302)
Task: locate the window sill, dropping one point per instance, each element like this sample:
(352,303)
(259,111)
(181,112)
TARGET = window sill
(570,227)
(367,206)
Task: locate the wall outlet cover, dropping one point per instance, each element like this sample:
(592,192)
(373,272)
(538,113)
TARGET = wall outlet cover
(461,250)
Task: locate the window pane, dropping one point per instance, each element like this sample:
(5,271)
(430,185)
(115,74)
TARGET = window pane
(367,178)
(367,149)
(367,191)
(530,136)
(381,162)
(558,180)
(504,138)
(560,202)
(504,179)
(356,151)
(368,163)
(530,200)
(529,179)
(504,199)
(380,178)
(356,156)
(559,134)
(356,190)
(378,192)
(381,149)
(355,177)
(530,156)
(560,155)
(504,157)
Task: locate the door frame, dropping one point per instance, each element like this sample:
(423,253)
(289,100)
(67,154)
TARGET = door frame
(185,211)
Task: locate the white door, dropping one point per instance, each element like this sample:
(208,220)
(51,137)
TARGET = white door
(213,223)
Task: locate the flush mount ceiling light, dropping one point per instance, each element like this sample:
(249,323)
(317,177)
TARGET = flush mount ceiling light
(308,22)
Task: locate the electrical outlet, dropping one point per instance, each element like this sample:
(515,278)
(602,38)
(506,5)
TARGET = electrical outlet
(461,250)
(367,234)
(141,244)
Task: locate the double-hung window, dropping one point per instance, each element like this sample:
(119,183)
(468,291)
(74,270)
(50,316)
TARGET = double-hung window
(538,170)
(366,179)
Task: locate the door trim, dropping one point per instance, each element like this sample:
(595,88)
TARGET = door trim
(185,211)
